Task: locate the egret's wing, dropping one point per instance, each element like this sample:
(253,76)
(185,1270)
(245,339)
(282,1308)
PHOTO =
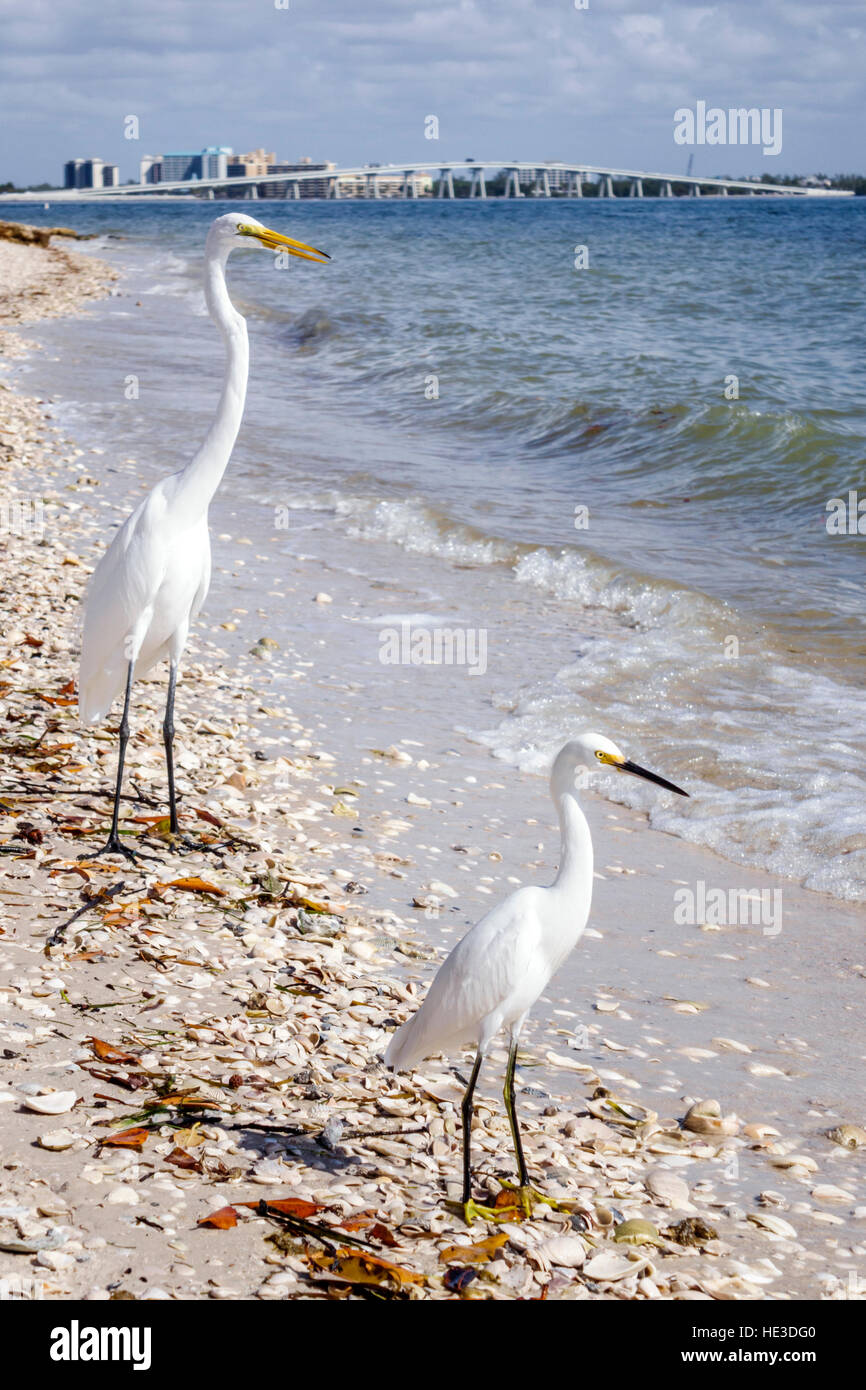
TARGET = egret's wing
(477,980)
(122,588)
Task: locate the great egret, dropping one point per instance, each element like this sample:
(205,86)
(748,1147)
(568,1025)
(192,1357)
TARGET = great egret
(154,577)
(497,971)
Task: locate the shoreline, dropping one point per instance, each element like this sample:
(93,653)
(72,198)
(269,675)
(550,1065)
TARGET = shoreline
(209,968)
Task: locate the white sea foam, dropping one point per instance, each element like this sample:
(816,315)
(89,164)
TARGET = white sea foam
(755,739)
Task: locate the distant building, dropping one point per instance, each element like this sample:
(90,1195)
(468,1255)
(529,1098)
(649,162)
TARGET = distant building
(214,161)
(209,163)
(252,165)
(557,179)
(180,166)
(90,173)
(307,188)
(150,168)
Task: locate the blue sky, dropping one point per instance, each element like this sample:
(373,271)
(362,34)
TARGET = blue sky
(353,80)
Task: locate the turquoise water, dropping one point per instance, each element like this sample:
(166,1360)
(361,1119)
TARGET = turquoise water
(451,386)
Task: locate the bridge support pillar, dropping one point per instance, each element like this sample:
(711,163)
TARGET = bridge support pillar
(636,188)
(723,192)
(446,183)
(252,190)
(409,183)
(545,183)
(574,188)
(296,189)
(333,188)
(695,191)
(666,190)
(607,186)
(478,184)
(512,185)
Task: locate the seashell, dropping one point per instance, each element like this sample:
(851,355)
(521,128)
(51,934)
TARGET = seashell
(637,1232)
(794,1161)
(54,1103)
(705,1117)
(568,1251)
(57,1139)
(849,1136)
(828,1192)
(608,1266)
(667,1187)
(774,1224)
(760,1131)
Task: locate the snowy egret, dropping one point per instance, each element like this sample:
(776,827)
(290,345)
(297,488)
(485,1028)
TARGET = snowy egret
(154,576)
(497,971)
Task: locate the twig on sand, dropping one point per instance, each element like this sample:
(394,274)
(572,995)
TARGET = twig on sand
(104,895)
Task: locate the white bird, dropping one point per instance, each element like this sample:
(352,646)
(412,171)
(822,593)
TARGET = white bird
(152,580)
(497,971)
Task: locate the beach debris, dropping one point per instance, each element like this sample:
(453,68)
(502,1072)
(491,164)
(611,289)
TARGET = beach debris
(245,992)
(848,1136)
(705,1117)
(636,1231)
(38,236)
(692,1230)
(52,1103)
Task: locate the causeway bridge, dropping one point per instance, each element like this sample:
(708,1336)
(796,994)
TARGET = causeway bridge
(522,179)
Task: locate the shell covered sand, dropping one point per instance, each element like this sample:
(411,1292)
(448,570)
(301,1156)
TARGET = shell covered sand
(192,1099)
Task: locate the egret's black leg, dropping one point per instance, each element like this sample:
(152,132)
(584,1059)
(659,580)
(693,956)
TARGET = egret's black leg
(466,1111)
(180,843)
(526,1195)
(114,844)
(168,739)
(508,1093)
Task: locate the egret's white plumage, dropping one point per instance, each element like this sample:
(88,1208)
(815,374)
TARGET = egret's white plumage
(498,970)
(154,577)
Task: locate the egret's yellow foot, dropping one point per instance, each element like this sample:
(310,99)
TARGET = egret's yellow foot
(527,1197)
(475,1211)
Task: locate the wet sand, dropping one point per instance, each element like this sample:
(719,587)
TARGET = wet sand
(240,997)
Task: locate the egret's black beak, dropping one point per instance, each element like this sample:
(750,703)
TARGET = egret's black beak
(649,777)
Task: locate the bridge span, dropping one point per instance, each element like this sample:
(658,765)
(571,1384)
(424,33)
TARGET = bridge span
(544,180)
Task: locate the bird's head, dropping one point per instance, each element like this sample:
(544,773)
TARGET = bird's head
(235,231)
(591,752)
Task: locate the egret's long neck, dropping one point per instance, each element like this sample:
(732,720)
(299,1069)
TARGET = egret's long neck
(202,476)
(575,860)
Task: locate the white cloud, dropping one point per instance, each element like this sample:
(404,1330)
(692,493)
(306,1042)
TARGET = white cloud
(352,82)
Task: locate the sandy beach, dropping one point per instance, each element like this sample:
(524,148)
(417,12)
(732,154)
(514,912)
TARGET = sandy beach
(184,1042)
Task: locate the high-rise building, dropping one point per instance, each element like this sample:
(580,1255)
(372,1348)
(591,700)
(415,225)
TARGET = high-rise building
(307,188)
(91,173)
(150,168)
(557,179)
(180,166)
(214,161)
(209,163)
(251,165)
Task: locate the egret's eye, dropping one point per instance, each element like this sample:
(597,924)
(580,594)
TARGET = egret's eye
(599,755)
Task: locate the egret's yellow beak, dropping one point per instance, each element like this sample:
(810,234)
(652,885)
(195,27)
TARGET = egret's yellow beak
(275,241)
(625,765)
